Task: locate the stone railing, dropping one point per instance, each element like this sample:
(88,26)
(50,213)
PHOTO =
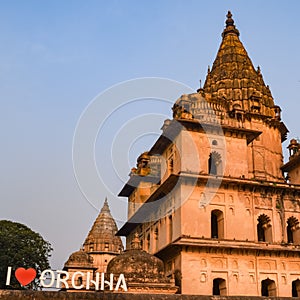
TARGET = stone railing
(41,295)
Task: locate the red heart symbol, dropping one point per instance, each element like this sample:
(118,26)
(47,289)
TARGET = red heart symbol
(25,276)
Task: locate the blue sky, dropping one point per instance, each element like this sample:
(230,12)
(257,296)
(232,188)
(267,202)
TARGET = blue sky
(56,56)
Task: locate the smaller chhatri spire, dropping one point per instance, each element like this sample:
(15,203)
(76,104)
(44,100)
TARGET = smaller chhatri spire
(136,243)
(105,207)
(230,27)
(102,234)
(258,69)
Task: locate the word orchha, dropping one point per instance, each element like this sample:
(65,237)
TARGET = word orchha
(59,278)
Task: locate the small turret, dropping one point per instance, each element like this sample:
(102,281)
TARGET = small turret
(230,27)
(292,167)
(294,148)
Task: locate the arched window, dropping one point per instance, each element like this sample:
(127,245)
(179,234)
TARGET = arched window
(142,245)
(91,246)
(296,288)
(214,163)
(292,230)
(260,232)
(148,242)
(170,228)
(289,233)
(212,167)
(264,229)
(268,288)
(219,287)
(155,239)
(217,224)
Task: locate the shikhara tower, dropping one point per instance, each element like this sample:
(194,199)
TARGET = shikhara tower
(99,248)
(211,197)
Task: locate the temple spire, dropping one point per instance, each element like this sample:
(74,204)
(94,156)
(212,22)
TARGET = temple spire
(101,237)
(233,77)
(105,207)
(230,27)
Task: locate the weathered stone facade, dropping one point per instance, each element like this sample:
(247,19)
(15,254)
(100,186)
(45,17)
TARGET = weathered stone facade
(220,212)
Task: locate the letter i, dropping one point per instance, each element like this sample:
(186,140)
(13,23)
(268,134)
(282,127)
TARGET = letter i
(8,275)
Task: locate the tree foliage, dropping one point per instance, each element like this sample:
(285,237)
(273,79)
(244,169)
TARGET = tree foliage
(21,247)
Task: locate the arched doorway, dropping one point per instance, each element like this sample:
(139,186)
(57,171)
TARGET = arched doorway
(296,288)
(219,287)
(268,288)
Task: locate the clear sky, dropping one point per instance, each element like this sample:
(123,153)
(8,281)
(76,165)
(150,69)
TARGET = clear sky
(56,56)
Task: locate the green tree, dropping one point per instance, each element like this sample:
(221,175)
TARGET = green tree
(21,247)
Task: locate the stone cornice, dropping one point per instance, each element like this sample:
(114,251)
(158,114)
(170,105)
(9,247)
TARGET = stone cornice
(160,194)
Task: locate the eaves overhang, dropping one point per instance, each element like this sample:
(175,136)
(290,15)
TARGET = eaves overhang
(290,165)
(150,206)
(134,182)
(174,128)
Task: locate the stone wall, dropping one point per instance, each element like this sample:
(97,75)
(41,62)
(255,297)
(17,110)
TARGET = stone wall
(38,295)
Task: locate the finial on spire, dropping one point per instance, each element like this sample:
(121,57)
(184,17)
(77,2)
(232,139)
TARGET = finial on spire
(105,207)
(258,69)
(230,27)
(229,21)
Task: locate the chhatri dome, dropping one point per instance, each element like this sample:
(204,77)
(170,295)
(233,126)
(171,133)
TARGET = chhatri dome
(143,271)
(79,259)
